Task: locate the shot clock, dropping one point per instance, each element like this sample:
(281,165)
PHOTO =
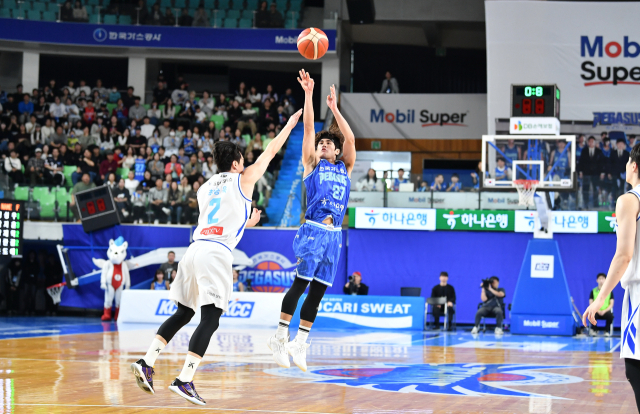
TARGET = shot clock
(97,209)
(11,228)
(535,100)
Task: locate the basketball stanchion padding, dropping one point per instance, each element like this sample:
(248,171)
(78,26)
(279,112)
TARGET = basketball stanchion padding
(55,291)
(526,191)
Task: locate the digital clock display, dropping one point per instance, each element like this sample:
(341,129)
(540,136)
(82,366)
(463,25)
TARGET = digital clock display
(535,101)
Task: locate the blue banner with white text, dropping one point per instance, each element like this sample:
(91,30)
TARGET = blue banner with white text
(168,37)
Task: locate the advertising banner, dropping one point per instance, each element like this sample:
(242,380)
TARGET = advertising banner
(583,47)
(245,308)
(366,199)
(380,312)
(395,218)
(439,200)
(560,221)
(153,36)
(417,116)
(606,222)
(474,220)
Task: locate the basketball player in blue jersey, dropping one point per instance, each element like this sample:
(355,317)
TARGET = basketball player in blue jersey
(204,278)
(319,240)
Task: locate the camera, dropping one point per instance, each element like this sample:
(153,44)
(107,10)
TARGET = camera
(486,283)
(351,278)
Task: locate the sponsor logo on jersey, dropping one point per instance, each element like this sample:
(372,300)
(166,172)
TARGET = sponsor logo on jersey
(166,307)
(270,272)
(462,379)
(239,309)
(213,230)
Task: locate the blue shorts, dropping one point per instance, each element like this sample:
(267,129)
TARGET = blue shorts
(317,248)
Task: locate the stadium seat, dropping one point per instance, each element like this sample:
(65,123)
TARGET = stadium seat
(178,108)
(124,19)
(209,4)
(5,13)
(247,14)
(252,4)
(281,5)
(37,6)
(47,206)
(110,19)
(39,192)
(219,14)
(223,4)
(230,23)
(9,4)
(215,22)
(62,197)
(21,193)
(218,120)
(291,23)
(245,23)
(238,4)
(94,18)
(49,16)
(67,171)
(233,14)
(164,4)
(18,14)
(295,5)
(34,15)
(93,2)
(180,4)
(122,172)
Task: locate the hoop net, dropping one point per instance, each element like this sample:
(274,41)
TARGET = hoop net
(526,191)
(55,291)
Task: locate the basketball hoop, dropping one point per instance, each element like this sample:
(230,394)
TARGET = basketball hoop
(526,191)
(55,291)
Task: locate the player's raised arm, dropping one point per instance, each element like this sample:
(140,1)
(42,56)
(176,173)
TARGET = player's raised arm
(252,174)
(349,146)
(309,159)
(627,210)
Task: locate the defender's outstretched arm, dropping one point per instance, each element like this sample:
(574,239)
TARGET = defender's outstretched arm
(309,160)
(349,147)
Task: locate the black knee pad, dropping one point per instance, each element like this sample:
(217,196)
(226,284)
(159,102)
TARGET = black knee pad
(290,301)
(310,306)
(209,322)
(179,319)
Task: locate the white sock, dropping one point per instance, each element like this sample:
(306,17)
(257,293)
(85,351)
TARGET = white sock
(154,350)
(189,369)
(303,334)
(283,330)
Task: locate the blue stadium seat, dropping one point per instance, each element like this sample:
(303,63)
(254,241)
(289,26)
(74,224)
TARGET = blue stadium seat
(230,23)
(209,4)
(252,4)
(245,23)
(110,19)
(223,4)
(247,14)
(49,16)
(238,5)
(233,14)
(34,15)
(124,19)
(180,4)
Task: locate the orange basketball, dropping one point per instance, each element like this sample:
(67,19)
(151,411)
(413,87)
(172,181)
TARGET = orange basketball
(313,43)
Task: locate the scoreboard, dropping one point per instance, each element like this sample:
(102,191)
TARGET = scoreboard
(11,228)
(535,100)
(97,208)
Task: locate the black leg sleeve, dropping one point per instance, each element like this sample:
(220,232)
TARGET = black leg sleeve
(310,306)
(290,301)
(172,325)
(632,370)
(209,322)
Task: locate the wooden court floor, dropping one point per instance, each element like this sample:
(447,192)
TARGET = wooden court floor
(349,372)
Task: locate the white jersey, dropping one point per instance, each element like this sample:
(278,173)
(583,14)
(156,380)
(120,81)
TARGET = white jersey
(224,210)
(630,282)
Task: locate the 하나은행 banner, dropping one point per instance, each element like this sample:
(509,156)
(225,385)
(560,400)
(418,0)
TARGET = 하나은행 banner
(487,220)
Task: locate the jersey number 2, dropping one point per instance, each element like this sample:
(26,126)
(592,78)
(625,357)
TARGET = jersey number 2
(338,192)
(215,203)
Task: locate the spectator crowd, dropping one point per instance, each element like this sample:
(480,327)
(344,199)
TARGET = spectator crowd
(153,157)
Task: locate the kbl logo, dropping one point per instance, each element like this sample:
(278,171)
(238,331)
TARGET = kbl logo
(542,267)
(166,307)
(238,309)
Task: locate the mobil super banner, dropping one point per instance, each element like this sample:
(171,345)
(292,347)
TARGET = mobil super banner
(401,116)
(380,312)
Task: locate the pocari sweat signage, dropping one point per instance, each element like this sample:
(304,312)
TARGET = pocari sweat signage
(378,312)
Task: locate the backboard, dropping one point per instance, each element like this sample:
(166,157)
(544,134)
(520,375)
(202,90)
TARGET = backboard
(549,159)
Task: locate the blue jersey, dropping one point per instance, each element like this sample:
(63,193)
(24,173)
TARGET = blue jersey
(159,286)
(562,166)
(328,188)
(140,167)
(511,153)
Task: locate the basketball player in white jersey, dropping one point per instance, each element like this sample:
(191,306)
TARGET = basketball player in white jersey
(625,268)
(204,275)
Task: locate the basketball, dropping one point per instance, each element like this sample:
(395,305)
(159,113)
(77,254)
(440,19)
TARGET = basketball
(313,43)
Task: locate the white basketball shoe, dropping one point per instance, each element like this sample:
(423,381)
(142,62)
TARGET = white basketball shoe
(278,347)
(298,351)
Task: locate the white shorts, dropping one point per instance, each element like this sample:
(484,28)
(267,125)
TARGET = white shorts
(204,276)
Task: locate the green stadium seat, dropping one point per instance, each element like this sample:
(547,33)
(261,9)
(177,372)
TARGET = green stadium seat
(47,206)
(93,2)
(215,22)
(5,13)
(247,14)
(291,23)
(49,16)
(281,5)
(94,18)
(295,5)
(124,19)
(245,23)
(122,172)
(39,192)
(39,6)
(252,4)
(9,4)
(21,193)
(219,14)
(62,196)
(164,4)
(178,108)
(223,4)
(238,5)
(218,120)
(192,11)
(18,14)
(180,4)
(111,19)
(34,15)
(110,106)
(67,171)
(209,4)
(233,14)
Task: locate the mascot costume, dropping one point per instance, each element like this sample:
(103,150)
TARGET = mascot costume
(114,277)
